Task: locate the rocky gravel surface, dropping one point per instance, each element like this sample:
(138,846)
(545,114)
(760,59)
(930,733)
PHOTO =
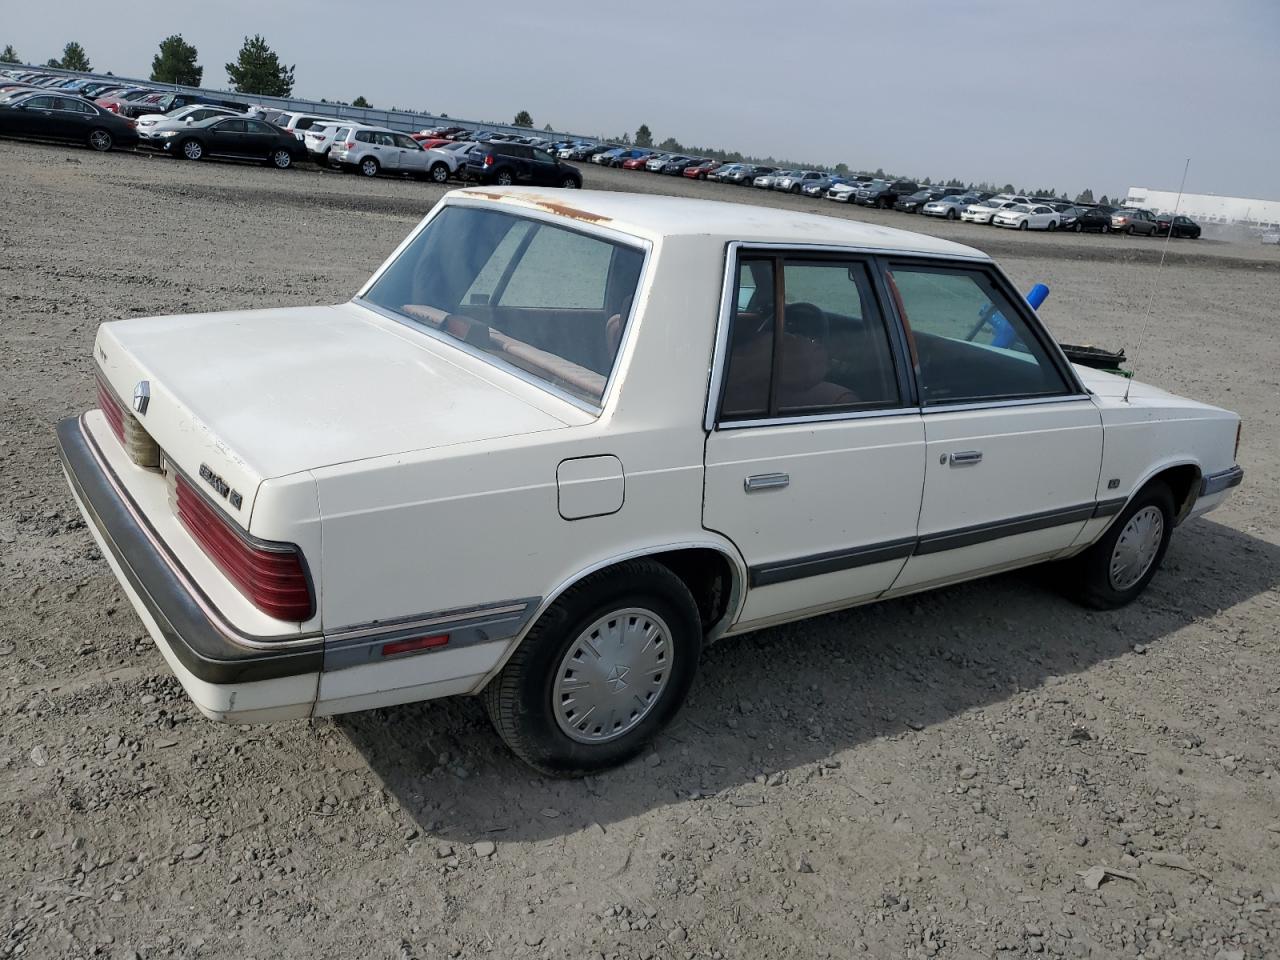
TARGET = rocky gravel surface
(986,771)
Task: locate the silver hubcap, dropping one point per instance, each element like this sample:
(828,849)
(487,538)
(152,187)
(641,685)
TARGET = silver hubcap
(612,675)
(282,158)
(570,185)
(440,174)
(369,168)
(192,150)
(504,179)
(1136,549)
(100,140)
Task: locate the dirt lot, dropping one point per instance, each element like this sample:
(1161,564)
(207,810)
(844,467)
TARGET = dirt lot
(928,777)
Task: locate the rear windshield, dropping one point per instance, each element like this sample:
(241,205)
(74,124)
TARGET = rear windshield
(546,299)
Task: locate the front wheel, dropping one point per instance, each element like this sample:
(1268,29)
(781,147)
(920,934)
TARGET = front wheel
(192,149)
(951,214)
(1117,568)
(570,183)
(1022,225)
(100,140)
(439,173)
(1053,225)
(1079,228)
(282,159)
(602,671)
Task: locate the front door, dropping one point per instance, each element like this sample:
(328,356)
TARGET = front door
(815,459)
(1013,445)
(412,158)
(227,138)
(546,172)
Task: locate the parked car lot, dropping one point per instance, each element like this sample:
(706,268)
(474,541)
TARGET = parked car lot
(868,723)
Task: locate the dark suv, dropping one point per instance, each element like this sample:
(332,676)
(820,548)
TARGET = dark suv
(516,163)
(879,193)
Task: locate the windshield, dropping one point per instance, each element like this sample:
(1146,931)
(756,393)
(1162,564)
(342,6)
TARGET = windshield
(1019,208)
(546,299)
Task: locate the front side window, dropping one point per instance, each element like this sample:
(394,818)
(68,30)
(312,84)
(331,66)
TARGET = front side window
(817,345)
(969,343)
(549,300)
(407,143)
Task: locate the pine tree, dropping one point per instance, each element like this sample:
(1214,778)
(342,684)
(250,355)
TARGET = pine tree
(176,63)
(522,119)
(74,58)
(9,55)
(361,102)
(258,70)
(644,136)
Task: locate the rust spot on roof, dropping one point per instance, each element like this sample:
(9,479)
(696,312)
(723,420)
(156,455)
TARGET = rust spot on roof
(539,202)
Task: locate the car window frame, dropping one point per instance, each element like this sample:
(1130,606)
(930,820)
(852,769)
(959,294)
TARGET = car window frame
(736,251)
(1076,390)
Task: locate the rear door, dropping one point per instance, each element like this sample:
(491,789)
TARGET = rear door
(815,448)
(259,138)
(1013,442)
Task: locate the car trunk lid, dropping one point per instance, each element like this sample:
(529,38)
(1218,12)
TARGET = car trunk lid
(240,397)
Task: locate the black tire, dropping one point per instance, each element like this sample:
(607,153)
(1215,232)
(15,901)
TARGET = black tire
(369,167)
(571,183)
(101,140)
(1079,228)
(1106,228)
(281,159)
(1131,231)
(1022,225)
(439,172)
(1093,583)
(1053,225)
(504,178)
(519,700)
(191,149)
(951,215)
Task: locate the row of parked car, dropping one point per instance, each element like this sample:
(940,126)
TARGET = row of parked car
(952,203)
(191,126)
(195,127)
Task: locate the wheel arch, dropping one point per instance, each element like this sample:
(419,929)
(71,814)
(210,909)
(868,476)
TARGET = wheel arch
(1183,478)
(713,570)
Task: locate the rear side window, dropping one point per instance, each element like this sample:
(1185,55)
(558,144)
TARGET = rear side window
(969,343)
(806,337)
(547,299)
(364,136)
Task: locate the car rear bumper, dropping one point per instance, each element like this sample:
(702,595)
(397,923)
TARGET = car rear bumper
(227,679)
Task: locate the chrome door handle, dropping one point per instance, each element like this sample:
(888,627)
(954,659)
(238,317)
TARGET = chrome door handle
(964,457)
(766,481)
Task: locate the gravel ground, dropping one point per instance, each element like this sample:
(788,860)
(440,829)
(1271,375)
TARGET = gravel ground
(944,775)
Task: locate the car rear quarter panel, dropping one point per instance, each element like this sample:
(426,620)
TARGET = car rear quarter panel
(479,523)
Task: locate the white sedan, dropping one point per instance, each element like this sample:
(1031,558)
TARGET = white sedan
(1028,216)
(489,473)
(151,126)
(983,212)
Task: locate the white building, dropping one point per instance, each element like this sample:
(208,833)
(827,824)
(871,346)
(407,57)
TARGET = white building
(1206,207)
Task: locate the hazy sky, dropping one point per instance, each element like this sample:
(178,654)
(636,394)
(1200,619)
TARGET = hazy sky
(1075,93)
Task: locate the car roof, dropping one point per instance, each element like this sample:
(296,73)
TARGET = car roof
(654,217)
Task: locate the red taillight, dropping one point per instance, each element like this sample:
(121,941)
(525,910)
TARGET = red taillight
(417,643)
(111,409)
(488,159)
(270,575)
(349,145)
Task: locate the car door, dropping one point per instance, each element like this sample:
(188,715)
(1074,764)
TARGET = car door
(815,447)
(260,138)
(1013,443)
(225,138)
(385,149)
(38,118)
(1041,216)
(413,159)
(546,172)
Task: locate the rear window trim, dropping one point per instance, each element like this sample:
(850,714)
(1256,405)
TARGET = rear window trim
(640,244)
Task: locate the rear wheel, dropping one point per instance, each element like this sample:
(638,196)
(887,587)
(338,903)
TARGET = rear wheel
(281,159)
(504,178)
(100,140)
(602,671)
(1117,568)
(369,167)
(192,149)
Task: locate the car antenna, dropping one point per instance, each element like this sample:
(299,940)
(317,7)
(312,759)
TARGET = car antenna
(1151,294)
